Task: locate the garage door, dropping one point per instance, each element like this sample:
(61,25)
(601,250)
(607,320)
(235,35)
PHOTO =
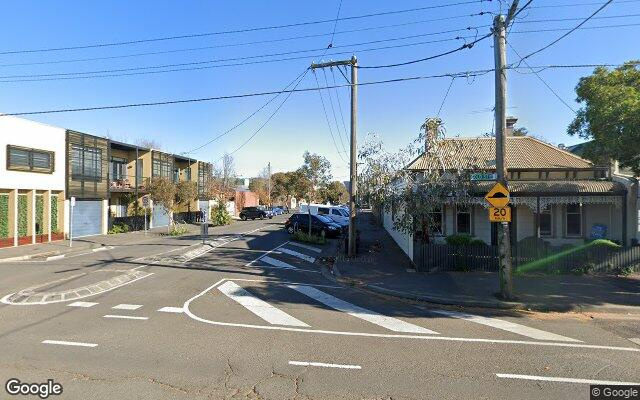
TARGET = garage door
(160,216)
(87,218)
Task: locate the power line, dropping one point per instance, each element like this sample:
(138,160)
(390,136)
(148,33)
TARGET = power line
(248,117)
(566,33)
(333,111)
(464,46)
(344,125)
(581,4)
(445,96)
(254,29)
(462,74)
(246,43)
(149,67)
(326,117)
(535,21)
(289,92)
(335,24)
(542,80)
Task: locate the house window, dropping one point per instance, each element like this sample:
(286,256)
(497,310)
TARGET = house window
(435,222)
(463,219)
(187,173)
(32,160)
(86,163)
(574,220)
(118,167)
(546,222)
(162,168)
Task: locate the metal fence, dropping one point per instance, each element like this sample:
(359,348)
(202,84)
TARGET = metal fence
(135,223)
(527,258)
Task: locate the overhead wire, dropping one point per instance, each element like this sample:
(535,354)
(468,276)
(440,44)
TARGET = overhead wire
(243,30)
(344,125)
(461,74)
(326,116)
(333,111)
(584,21)
(248,117)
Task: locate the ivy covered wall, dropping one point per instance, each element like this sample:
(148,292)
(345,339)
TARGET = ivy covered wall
(4,215)
(22,215)
(39,214)
(54,213)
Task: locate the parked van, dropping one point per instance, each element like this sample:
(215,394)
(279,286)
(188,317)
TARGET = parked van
(335,213)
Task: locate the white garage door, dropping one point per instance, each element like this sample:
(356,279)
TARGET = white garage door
(87,218)
(160,216)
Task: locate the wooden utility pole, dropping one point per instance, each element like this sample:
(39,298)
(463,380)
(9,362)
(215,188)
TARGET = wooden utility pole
(504,240)
(269,184)
(353,175)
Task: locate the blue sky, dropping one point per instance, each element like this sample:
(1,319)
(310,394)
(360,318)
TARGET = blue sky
(394,111)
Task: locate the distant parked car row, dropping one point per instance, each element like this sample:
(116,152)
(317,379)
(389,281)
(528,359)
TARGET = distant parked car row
(262,212)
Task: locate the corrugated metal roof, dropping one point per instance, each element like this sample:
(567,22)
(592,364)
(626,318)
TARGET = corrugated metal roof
(522,152)
(563,186)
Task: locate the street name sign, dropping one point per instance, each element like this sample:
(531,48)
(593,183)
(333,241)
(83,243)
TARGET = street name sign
(484,176)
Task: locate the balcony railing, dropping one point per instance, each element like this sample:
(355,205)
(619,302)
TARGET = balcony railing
(128,183)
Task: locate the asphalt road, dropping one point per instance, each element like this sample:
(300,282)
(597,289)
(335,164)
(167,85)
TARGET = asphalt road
(249,315)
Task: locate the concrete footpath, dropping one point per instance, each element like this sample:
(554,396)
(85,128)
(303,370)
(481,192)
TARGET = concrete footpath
(61,248)
(382,267)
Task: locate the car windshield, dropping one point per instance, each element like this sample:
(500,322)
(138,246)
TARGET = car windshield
(343,212)
(323,218)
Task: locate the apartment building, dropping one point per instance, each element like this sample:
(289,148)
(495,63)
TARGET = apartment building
(32,182)
(45,167)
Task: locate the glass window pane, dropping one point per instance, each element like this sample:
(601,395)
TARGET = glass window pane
(18,158)
(41,160)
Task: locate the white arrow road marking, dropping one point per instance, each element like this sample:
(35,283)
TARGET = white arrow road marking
(564,380)
(299,255)
(507,326)
(276,263)
(65,343)
(304,246)
(384,321)
(635,340)
(127,306)
(325,365)
(85,304)
(176,310)
(259,307)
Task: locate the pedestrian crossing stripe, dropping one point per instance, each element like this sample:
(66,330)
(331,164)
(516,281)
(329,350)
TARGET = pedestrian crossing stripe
(304,246)
(297,254)
(276,263)
(259,307)
(393,324)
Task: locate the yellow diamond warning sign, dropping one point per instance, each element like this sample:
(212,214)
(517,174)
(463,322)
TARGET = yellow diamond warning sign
(498,196)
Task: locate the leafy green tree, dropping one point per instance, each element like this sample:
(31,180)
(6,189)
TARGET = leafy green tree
(318,170)
(335,193)
(610,115)
(186,192)
(163,191)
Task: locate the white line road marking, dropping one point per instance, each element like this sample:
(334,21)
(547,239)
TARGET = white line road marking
(507,326)
(277,263)
(299,255)
(191,315)
(635,340)
(176,310)
(259,307)
(384,321)
(52,258)
(124,317)
(564,380)
(85,304)
(127,307)
(304,246)
(319,364)
(265,254)
(212,247)
(65,343)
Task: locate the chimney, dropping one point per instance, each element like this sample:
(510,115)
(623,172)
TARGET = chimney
(511,121)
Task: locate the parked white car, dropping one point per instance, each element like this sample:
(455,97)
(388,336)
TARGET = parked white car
(335,213)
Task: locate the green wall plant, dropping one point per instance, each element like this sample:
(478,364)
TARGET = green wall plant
(22,215)
(39,215)
(4,216)
(54,213)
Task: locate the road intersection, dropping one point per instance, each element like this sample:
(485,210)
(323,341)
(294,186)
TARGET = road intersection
(250,314)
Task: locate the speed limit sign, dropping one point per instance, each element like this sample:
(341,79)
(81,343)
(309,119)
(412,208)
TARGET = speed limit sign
(502,214)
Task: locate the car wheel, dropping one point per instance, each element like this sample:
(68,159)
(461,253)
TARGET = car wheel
(253,219)
(290,230)
(243,217)
(271,216)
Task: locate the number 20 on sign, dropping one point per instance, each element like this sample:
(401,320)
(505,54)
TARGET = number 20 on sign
(502,214)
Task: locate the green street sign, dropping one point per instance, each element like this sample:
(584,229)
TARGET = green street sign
(484,176)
